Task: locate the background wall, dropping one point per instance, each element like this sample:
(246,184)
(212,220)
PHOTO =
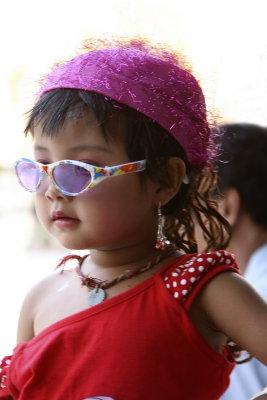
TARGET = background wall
(225,41)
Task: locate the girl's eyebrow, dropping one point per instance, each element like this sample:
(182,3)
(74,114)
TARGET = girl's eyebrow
(90,147)
(37,147)
(81,147)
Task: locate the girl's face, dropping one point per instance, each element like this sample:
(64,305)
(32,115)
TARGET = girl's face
(116,213)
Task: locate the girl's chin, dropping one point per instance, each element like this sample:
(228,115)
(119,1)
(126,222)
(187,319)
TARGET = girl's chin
(72,243)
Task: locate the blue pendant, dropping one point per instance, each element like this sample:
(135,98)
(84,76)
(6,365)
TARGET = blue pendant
(96,296)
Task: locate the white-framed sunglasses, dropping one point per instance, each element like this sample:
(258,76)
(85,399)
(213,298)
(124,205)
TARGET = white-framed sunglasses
(69,177)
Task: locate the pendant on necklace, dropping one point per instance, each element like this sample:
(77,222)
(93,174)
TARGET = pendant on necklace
(96,296)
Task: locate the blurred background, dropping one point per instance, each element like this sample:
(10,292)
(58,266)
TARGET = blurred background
(225,42)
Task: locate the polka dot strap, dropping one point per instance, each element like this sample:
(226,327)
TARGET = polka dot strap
(180,279)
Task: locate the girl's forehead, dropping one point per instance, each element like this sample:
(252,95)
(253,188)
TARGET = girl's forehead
(76,136)
(79,122)
(76,125)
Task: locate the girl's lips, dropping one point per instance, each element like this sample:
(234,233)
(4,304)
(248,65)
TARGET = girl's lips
(62,220)
(58,214)
(66,222)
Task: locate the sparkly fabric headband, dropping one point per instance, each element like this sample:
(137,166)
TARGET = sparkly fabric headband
(154,85)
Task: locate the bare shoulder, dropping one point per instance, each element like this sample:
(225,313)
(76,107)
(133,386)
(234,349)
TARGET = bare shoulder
(238,311)
(32,302)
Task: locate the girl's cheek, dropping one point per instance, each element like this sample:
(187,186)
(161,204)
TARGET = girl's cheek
(99,190)
(85,195)
(38,201)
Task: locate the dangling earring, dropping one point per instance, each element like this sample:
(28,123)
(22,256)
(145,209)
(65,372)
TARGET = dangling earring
(162,241)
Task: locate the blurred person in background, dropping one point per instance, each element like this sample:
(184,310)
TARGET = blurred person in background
(242,192)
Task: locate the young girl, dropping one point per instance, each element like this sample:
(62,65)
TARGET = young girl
(122,167)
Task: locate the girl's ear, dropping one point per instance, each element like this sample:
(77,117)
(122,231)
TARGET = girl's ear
(229,205)
(171,181)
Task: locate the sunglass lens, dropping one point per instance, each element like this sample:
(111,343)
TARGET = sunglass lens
(28,175)
(71,178)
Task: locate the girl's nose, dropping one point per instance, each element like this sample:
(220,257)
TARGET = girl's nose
(51,193)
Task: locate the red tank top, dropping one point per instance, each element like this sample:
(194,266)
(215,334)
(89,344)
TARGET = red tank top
(137,345)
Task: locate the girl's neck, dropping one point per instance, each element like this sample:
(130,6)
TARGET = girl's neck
(117,261)
(123,256)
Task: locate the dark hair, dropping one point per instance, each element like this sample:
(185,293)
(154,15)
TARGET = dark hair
(144,139)
(243,166)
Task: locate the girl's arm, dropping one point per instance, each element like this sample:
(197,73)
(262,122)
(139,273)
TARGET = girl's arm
(238,311)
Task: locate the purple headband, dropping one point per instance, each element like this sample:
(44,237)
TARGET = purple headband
(152,85)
